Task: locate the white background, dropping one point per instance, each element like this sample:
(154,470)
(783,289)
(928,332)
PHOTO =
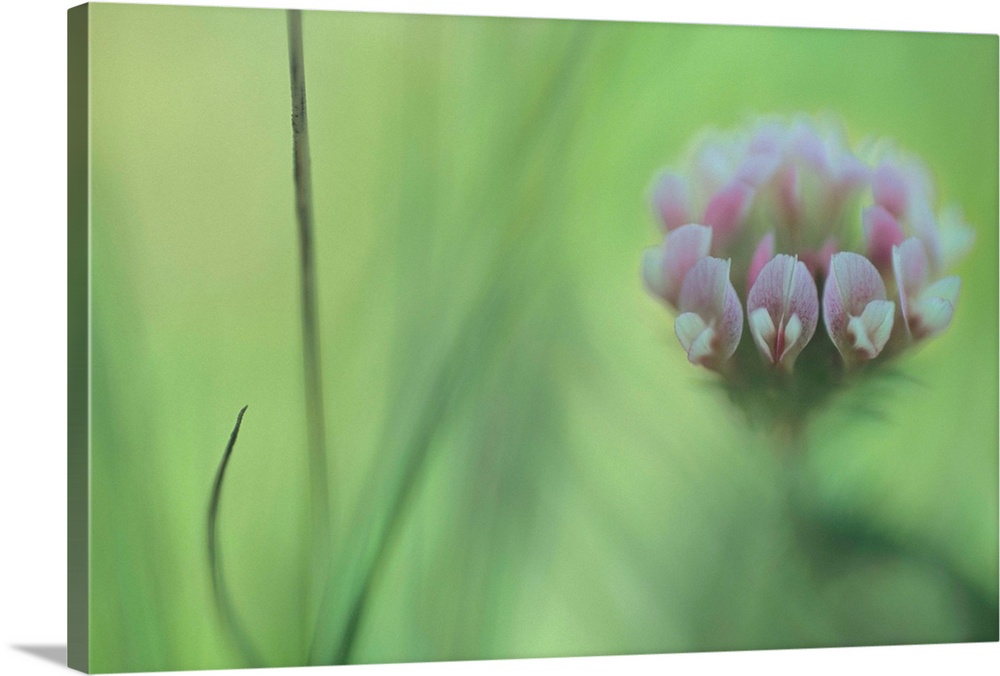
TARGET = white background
(33,326)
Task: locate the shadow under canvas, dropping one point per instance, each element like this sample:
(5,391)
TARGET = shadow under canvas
(50,653)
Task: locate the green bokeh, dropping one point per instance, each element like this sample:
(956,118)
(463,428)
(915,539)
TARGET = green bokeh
(480,208)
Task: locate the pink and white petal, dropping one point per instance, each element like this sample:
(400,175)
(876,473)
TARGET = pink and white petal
(852,285)
(911,270)
(803,301)
(889,186)
(771,287)
(923,223)
(882,233)
(918,179)
(702,351)
(857,281)
(834,314)
(664,267)
(683,247)
(784,289)
(691,329)
(768,137)
(931,312)
(671,201)
(931,315)
(800,314)
(946,288)
(731,328)
(807,146)
(713,165)
(704,288)
(852,173)
(878,319)
(869,333)
(763,332)
(727,210)
(795,340)
(708,293)
(761,255)
(758,167)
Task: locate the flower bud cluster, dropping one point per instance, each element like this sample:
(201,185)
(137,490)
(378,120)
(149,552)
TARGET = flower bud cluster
(774,229)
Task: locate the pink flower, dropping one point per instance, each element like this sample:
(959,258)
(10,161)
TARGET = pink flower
(671,201)
(711,320)
(822,176)
(717,191)
(900,183)
(727,210)
(665,267)
(857,315)
(927,307)
(882,233)
(902,188)
(797,187)
(782,310)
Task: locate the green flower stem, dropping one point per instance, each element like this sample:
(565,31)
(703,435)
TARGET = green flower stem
(832,540)
(318,462)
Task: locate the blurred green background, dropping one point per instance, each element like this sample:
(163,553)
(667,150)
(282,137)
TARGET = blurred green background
(574,485)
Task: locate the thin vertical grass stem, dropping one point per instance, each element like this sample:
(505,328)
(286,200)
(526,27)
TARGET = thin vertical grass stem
(313,380)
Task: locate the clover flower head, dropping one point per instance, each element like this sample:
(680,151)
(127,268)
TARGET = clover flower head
(782,220)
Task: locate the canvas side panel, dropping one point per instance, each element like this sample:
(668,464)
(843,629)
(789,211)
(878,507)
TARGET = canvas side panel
(78,377)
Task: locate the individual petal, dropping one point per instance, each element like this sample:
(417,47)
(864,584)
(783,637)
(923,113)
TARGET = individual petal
(930,317)
(856,280)
(763,253)
(759,166)
(714,163)
(911,270)
(704,288)
(695,335)
(945,289)
(671,201)
(708,294)
(807,146)
(727,210)
(762,330)
(889,187)
(918,179)
(851,288)
(923,223)
(882,233)
(932,311)
(664,267)
(787,292)
(927,309)
(852,173)
(869,333)
(731,329)
(768,137)
(793,331)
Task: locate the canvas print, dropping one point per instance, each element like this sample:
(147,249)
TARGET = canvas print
(400,338)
